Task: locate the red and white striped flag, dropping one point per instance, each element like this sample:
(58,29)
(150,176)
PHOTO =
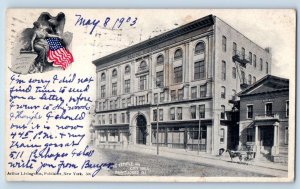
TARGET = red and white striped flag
(59,55)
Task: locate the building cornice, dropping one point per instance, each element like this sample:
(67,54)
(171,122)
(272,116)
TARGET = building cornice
(153,42)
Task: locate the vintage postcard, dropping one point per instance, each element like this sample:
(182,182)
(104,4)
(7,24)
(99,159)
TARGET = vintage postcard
(141,95)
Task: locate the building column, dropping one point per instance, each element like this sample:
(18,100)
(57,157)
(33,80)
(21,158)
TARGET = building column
(275,147)
(185,63)
(166,68)
(257,141)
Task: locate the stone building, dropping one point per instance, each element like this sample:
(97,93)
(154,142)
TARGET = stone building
(185,78)
(264,112)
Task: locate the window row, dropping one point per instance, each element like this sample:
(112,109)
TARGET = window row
(114,104)
(251,57)
(199,48)
(119,118)
(179,94)
(268,111)
(251,79)
(176,113)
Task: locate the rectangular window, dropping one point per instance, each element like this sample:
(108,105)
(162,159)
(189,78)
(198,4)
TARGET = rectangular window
(128,101)
(104,105)
(111,105)
(243,53)
(123,117)
(155,115)
(233,72)
(160,79)
(116,104)
(123,103)
(233,94)
(110,118)
(250,58)
(114,89)
(203,91)
(194,92)
(161,114)
(103,91)
(103,119)
(261,64)
(99,119)
(269,111)
(254,60)
(243,77)
(267,67)
(199,70)
(234,48)
(115,118)
(224,43)
(128,117)
(287,109)
(173,95)
(249,79)
(162,97)
(142,83)
(141,100)
(250,134)
(222,112)
(254,79)
(127,86)
(172,113)
(180,94)
(179,113)
(193,112)
(223,92)
(100,106)
(202,111)
(156,98)
(222,135)
(249,111)
(178,74)
(223,74)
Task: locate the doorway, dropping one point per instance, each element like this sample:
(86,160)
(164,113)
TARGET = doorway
(141,130)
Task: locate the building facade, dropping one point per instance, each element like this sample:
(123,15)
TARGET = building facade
(264,112)
(185,79)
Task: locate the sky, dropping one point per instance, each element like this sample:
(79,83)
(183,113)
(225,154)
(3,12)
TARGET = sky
(267,28)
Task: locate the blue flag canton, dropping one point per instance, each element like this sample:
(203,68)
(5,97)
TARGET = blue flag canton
(54,43)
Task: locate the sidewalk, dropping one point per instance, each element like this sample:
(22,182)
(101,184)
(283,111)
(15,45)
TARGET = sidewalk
(267,168)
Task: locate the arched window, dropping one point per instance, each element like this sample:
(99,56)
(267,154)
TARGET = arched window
(200,48)
(178,54)
(143,66)
(114,73)
(127,69)
(160,59)
(103,77)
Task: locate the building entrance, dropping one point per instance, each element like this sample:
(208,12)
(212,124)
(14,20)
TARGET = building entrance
(141,130)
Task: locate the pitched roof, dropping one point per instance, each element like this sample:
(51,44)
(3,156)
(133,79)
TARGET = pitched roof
(267,84)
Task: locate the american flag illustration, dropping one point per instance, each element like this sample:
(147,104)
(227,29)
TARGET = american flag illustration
(59,55)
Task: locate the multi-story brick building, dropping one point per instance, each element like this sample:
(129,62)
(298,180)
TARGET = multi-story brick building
(191,73)
(264,112)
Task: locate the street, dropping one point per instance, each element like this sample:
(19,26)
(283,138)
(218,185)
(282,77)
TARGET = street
(130,163)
